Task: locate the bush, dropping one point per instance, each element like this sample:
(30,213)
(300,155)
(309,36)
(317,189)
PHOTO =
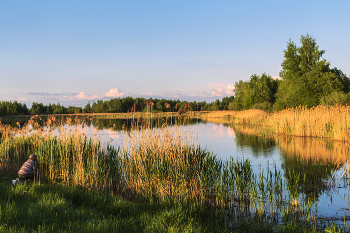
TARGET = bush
(265,106)
(234,106)
(335,98)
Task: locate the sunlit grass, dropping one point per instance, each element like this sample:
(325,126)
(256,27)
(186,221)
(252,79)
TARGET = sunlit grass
(330,122)
(58,208)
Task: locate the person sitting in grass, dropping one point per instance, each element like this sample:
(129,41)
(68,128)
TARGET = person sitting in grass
(28,169)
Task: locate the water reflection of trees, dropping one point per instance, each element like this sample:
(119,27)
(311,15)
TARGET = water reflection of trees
(138,123)
(258,145)
(307,162)
(105,123)
(314,161)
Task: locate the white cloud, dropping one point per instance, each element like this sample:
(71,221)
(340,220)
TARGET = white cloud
(96,97)
(221,89)
(229,89)
(146,93)
(276,77)
(114,92)
(218,91)
(81,96)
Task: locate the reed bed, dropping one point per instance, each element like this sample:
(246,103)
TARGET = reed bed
(321,121)
(330,122)
(159,165)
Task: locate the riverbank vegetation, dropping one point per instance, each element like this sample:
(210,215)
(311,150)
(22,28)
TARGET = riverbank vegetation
(183,186)
(327,122)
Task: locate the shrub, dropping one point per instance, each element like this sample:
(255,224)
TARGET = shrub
(265,106)
(335,98)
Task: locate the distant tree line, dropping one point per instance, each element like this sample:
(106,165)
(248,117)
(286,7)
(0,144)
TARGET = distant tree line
(117,105)
(305,80)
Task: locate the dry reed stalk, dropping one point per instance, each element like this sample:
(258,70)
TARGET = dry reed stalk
(331,122)
(321,121)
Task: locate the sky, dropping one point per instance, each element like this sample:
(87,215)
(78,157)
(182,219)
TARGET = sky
(75,52)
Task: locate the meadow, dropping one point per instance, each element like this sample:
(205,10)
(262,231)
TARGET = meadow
(157,179)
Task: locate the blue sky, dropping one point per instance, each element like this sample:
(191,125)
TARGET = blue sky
(73,52)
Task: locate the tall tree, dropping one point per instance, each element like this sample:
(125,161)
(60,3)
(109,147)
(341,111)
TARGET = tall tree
(306,77)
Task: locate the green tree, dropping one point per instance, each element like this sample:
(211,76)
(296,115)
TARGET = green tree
(87,108)
(225,102)
(259,89)
(306,77)
(37,108)
(343,79)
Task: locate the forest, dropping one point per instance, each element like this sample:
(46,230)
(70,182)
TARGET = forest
(116,105)
(306,79)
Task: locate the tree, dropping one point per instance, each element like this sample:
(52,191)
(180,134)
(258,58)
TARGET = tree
(225,102)
(343,79)
(87,108)
(306,78)
(259,89)
(37,108)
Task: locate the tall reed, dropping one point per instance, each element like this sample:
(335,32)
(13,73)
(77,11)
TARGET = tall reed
(322,121)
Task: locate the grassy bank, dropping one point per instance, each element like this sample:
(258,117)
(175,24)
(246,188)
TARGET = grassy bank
(64,208)
(321,122)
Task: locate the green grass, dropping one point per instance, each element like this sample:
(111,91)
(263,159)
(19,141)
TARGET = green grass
(61,208)
(64,208)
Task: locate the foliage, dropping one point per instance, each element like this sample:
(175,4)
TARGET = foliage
(335,98)
(12,108)
(258,90)
(343,79)
(306,77)
(265,106)
(116,105)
